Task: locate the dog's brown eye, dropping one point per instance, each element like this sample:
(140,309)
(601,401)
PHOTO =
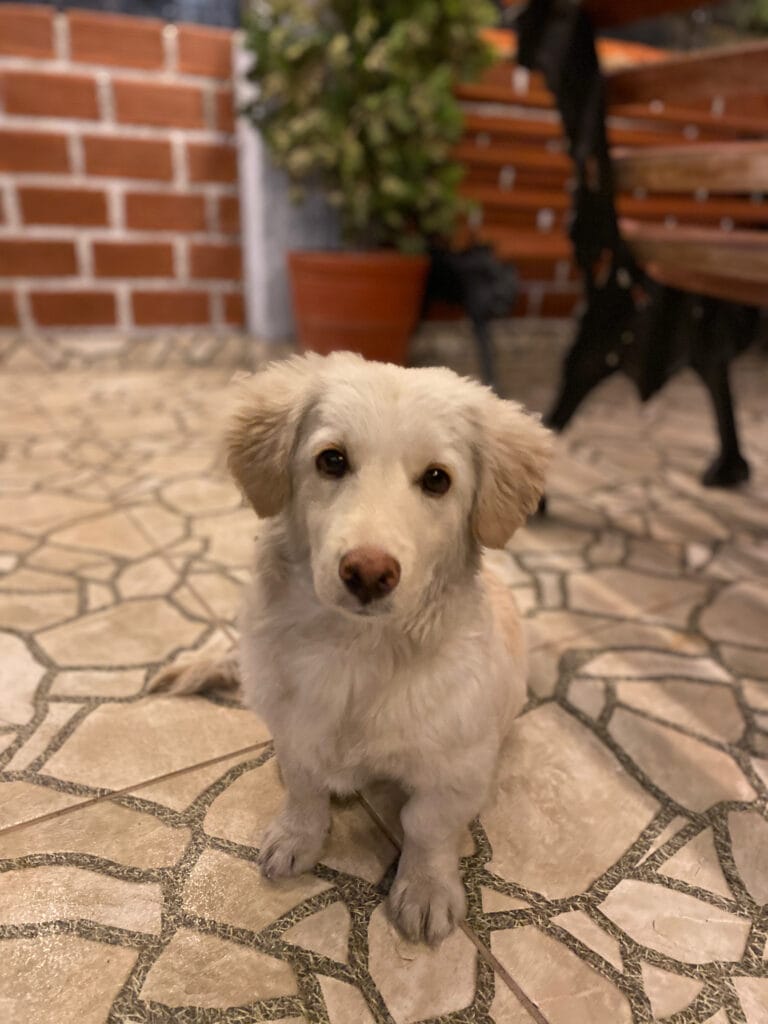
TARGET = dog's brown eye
(332,462)
(435,481)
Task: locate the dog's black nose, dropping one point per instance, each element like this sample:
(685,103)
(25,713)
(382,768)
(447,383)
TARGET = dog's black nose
(369,573)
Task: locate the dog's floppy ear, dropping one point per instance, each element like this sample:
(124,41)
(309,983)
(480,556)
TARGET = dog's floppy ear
(515,450)
(262,433)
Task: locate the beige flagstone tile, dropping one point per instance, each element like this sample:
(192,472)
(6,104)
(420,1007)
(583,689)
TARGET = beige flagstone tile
(202,970)
(755,693)
(746,661)
(32,581)
(23,801)
(98,683)
(618,591)
(697,864)
(693,773)
(30,612)
(676,924)
(20,675)
(670,830)
(47,972)
(550,634)
(104,829)
(753,995)
(668,993)
(591,934)
(43,510)
(642,663)
(183,787)
(565,810)
(738,615)
(708,709)
(202,496)
(121,745)
(114,533)
(588,695)
(56,718)
(345,1004)
(150,577)
(506,1008)
(232,891)
(417,981)
(494,901)
(749,842)
(60,893)
(222,596)
(229,537)
(126,635)
(325,932)
(564,988)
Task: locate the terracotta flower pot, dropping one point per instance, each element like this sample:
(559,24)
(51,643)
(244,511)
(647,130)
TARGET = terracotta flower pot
(366,302)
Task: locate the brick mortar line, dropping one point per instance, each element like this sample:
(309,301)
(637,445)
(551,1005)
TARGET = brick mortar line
(145,236)
(13,220)
(75,283)
(130,333)
(27,322)
(81,127)
(61,41)
(63,179)
(170,43)
(145,76)
(216,310)
(123,308)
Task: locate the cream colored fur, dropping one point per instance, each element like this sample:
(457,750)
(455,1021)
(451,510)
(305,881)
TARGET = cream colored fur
(421,685)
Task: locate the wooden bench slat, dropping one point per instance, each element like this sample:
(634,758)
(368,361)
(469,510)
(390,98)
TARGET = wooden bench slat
(470,153)
(742,255)
(539,199)
(752,293)
(705,123)
(649,208)
(690,210)
(723,72)
(546,129)
(478,91)
(723,168)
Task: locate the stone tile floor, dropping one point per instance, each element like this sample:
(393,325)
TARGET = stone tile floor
(622,872)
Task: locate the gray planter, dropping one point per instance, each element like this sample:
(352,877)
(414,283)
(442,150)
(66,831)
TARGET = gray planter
(271,225)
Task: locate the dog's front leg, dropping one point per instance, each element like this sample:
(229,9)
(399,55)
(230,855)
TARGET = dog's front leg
(427,897)
(293,841)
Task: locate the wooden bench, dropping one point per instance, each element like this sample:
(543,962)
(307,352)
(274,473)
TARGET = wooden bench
(669,233)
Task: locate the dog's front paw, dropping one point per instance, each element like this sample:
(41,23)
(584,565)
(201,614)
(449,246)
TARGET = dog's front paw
(288,850)
(427,907)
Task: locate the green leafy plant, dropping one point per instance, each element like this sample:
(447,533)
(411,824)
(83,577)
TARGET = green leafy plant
(356,97)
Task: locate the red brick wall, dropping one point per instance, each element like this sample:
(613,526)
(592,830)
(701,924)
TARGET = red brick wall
(118,191)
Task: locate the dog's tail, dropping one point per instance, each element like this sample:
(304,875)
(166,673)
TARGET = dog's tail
(198,674)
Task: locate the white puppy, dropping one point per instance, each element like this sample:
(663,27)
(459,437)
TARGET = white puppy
(373,643)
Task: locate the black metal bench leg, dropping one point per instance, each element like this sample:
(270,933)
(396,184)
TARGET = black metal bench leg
(584,368)
(730,468)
